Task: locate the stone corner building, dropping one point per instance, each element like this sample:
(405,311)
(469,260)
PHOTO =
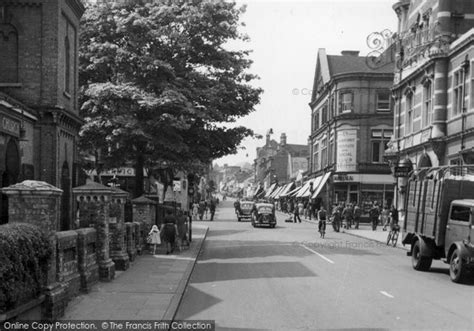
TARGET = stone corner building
(351,126)
(433,85)
(39,113)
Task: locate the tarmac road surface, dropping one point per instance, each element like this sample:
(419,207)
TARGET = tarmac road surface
(288,278)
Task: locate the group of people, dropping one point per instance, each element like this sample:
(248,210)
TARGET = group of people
(173,232)
(203,208)
(347,215)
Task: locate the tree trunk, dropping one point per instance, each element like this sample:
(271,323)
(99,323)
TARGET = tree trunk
(139,177)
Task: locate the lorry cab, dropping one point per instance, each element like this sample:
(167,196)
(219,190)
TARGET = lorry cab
(460,222)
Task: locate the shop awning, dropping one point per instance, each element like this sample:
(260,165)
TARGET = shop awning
(306,189)
(287,189)
(276,191)
(282,190)
(270,190)
(293,192)
(320,185)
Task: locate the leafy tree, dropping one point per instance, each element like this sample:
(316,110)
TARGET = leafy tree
(158,84)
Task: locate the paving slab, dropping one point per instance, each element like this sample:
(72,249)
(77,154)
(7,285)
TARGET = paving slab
(151,288)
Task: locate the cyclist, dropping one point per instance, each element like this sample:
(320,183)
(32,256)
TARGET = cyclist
(322,221)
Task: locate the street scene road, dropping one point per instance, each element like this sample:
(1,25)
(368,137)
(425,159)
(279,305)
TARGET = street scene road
(288,278)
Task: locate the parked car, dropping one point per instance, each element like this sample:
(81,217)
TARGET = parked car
(245,212)
(264,214)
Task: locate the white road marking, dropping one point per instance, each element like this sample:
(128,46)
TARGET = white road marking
(173,257)
(321,256)
(387,294)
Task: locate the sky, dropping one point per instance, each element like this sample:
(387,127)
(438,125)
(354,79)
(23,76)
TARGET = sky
(284,38)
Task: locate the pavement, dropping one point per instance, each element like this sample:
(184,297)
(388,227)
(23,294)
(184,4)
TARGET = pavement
(151,289)
(364,231)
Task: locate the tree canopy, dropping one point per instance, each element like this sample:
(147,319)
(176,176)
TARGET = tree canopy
(158,83)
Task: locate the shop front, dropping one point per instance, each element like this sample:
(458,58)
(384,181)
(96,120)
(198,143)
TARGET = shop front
(363,189)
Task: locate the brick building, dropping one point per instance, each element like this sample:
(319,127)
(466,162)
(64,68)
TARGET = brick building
(278,162)
(433,86)
(38,95)
(351,125)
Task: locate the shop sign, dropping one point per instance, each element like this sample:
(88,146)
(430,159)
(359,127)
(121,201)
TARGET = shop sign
(346,151)
(402,171)
(10,126)
(343,178)
(122,172)
(176,186)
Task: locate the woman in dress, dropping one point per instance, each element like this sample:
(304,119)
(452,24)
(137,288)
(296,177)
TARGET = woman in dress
(154,236)
(169,231)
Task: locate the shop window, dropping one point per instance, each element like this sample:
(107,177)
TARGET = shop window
(383,101)
(346,102)
(8,54)
(427,104)
(379,143)
(458,78)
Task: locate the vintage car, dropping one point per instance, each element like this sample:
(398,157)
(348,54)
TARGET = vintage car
(245,212)
(264,214)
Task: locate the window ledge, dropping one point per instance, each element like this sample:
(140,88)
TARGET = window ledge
(11,85)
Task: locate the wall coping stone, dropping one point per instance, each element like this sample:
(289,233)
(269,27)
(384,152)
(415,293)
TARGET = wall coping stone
(32,187)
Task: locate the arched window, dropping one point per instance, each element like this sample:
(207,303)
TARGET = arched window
(67,63)
(8,54)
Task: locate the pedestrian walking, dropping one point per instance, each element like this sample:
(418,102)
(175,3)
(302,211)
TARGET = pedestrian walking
(182,229)
(202,208)
(393,216)
(374,214)
(322,215)
(154,238)
(296,214)
(385,217)
(195,212)
(212,209)
(169,232)
(300,208)
(347,213)
(357,215)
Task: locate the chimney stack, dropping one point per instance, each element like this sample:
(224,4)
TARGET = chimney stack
(283,139)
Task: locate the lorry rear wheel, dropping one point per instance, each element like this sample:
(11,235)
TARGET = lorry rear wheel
(420,263)
(457,270)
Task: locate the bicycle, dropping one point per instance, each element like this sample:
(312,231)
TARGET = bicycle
(392,237)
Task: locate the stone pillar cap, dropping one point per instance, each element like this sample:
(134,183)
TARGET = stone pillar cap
(92,187)
(143,200)
(118,192)
(31,186)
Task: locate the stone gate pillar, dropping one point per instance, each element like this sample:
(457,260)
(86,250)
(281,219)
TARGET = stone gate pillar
(92,210)
(118,250)
(39,203)
(144,211)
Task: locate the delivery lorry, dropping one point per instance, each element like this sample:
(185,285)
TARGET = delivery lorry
(438,222)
